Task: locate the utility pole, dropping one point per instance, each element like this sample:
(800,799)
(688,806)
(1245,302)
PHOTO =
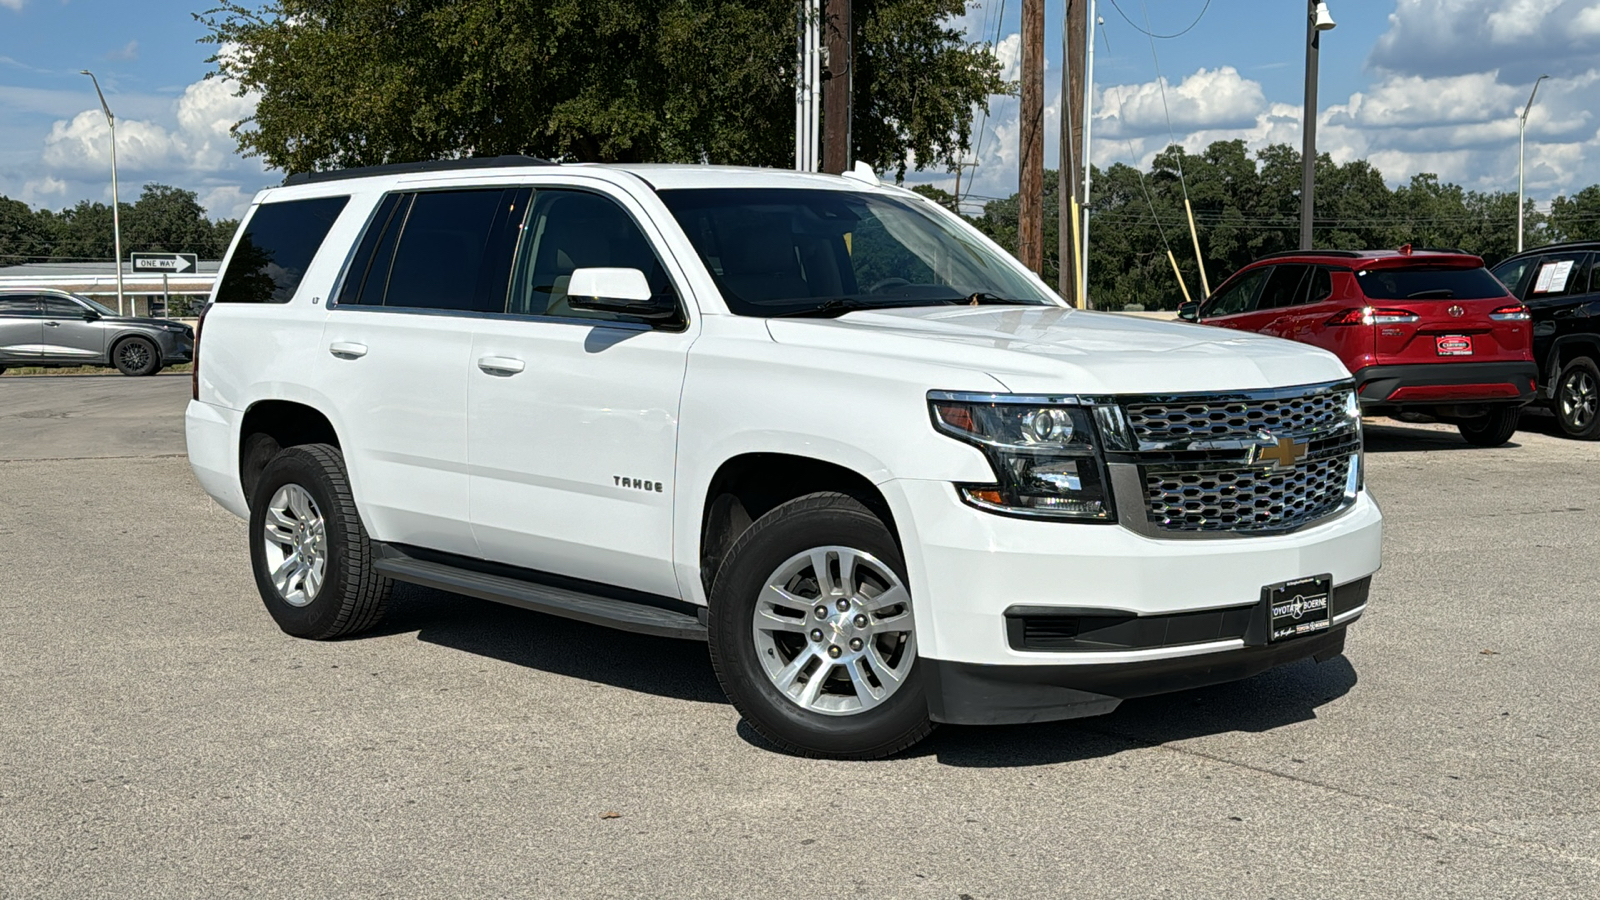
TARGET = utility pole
(1030,225)
(838,90)
(1068,175)
(808,85)
(116,205)
(1522,130)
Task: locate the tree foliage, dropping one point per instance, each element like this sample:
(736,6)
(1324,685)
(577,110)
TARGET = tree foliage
(1248,206)
(163,220)
(364,82)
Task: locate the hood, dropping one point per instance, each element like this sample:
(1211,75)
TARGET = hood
(1036,349)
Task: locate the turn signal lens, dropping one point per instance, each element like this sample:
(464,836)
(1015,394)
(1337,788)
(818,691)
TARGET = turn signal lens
(1514,312)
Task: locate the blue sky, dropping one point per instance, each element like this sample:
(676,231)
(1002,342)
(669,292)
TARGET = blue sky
(1412,85)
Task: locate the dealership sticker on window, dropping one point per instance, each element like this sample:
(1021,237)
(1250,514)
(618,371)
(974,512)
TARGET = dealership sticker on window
(1552,276)
(1454,344)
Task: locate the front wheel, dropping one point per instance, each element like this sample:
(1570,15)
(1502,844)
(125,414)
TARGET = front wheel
(1577,405)
(1492,429)
(136,356)
(812,633)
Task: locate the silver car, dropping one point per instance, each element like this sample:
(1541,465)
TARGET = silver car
(56,328)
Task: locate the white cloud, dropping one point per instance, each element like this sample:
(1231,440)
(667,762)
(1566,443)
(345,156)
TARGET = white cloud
(1521,38)
(12,4)
(36,191)
(1208,99)
(225,202)
(1009,52)
(128,52)
(198,139)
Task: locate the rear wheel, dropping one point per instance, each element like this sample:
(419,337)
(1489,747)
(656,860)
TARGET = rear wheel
(1577,399)
(136,356)
(1492,429)
(812,634)
(308,548)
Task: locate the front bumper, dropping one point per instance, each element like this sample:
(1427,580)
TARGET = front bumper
(968,694)
(176,348)
(1184,603)
(1436,384)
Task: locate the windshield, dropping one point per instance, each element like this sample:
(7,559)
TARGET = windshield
(799,251)
(95,305)
(1429,283)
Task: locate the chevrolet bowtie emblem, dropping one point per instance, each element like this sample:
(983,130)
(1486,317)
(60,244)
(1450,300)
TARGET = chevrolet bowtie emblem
(1284,452)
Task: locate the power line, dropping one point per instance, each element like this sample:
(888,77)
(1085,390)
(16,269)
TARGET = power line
(1163,37)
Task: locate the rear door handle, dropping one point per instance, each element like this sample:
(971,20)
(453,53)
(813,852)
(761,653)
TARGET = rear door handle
(52,324)
(347,349)
(500,365)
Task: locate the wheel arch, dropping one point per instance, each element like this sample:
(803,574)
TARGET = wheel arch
(749,485)
(270,425)
(1567,348)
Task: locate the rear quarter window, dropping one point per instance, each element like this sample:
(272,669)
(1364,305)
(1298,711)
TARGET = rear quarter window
(277,246)
(1429,283)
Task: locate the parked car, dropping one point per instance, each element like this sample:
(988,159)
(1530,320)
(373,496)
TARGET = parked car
(55,328)
(1560,285)
(818,421)
(1422,331)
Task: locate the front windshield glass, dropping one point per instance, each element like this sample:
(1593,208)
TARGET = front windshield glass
(799,251)
(95,305)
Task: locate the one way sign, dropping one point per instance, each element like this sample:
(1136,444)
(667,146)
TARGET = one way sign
(166,263)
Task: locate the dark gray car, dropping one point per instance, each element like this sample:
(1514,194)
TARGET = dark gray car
(55,328)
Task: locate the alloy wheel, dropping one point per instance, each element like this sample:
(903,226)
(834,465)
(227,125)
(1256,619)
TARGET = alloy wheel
(296,543)
(1579,398)
(134,355)
(834,632)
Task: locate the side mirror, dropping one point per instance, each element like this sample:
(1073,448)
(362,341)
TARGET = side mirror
(90,315)
(1189,312)
(624,291)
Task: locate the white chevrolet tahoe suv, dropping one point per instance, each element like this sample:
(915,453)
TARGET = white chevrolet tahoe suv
(816,421)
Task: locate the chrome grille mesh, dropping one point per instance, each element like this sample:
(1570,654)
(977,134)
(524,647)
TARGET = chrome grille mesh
(1246,499)
(1200,419)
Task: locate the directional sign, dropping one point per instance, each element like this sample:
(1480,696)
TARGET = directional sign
(167,263)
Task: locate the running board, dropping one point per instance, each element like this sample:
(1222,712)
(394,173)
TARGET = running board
(557,601)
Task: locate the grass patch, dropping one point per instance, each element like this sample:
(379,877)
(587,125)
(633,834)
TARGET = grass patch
(83,370)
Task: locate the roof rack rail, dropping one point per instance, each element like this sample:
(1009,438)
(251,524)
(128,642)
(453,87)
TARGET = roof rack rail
(1561,245)
(427,165)
(1341,254)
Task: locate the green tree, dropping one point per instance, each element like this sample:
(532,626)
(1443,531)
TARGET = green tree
(25,236)
(1576,218)
(169,220)
(360,82)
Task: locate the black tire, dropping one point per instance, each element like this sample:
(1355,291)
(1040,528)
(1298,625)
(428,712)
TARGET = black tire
(352,597)
(1492,429)
(815,520)
(136,356)
(1576,404)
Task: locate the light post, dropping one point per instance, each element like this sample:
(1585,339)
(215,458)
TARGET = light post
(116,215)
(1522,130)
(1318,20)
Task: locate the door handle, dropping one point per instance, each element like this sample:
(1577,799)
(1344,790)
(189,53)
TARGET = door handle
(347,349)
(52,324)
(500,365)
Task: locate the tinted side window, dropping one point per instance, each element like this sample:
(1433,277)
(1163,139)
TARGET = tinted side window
(455,251)
(570,230)
(1238,297)
(1318,285)
(365,271)
(1559,274)
(16,305)
(62,308)
(277,245)
(1282,287)
(1510,273)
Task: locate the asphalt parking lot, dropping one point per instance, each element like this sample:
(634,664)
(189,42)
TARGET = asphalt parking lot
(160,737)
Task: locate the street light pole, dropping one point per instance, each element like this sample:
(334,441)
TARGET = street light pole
(1522,130)
(1318,20)
(116,206)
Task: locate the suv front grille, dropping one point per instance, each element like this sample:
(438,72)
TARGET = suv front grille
(1246,499)
(1232,418)
(1208,465)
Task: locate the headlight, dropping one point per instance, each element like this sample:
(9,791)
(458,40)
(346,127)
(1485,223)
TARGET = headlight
(1044,453)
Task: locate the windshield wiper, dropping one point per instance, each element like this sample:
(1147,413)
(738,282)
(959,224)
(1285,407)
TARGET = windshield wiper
(985,298)
(1434,294)
(831,308)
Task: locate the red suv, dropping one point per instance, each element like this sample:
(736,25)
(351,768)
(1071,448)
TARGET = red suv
(1422,331)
